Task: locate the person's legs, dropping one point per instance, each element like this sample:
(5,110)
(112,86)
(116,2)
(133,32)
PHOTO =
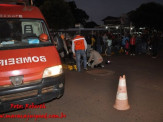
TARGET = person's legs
(83,53)
(78,56)
(109,51)
(131,49)
(62,56)
(96,63)
(88,48)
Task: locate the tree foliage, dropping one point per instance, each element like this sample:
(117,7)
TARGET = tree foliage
(79,15)
(60,14)
(148,15)
(57,14)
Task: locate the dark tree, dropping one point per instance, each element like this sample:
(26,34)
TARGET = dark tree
(79,15)
(148,15)
(58,14)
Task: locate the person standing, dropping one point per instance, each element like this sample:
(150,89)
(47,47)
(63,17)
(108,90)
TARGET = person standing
(109,44)
(127,47)
(93,42)
(99,43)
(64,44)
(64,50)
(132,45)
(88,40)
(155,44)
(124,39)
(105,38)
(79,47)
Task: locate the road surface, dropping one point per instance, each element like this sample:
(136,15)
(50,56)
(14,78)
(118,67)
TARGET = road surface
(90,96)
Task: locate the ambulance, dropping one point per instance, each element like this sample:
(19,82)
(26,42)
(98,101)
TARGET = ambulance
(30,69)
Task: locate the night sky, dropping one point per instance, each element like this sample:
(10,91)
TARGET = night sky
(99,9)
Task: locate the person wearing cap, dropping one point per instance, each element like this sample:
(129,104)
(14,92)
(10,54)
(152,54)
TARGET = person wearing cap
(79,47)
(96,57)
(64,43)
(43,37)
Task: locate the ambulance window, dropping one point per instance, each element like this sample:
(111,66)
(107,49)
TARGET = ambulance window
(22,32)
(33,28)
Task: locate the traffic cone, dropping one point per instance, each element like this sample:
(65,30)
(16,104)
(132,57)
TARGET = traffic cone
(121,102)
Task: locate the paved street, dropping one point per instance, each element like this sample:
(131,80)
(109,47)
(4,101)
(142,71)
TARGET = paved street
(90,97)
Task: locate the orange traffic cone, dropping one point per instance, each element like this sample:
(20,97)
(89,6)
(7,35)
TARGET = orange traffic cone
(121,102)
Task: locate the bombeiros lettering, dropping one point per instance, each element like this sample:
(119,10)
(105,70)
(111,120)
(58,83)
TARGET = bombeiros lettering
(22,60)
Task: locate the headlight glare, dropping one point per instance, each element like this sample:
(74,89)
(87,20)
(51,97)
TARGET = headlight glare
(53,71)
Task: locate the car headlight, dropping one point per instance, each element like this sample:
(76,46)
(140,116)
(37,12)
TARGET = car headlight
(53,71)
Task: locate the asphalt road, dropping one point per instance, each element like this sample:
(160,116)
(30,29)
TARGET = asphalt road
(90,97)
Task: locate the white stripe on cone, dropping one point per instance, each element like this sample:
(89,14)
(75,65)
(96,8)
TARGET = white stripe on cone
(122,82)
(122,96)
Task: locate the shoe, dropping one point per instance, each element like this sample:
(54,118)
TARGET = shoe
(85,69)
(108,62)
(102,66)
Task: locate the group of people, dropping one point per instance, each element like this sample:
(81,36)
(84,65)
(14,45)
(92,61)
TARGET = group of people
(138,44)
(128,44)
(79,48)
(76,49)
(89,48)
